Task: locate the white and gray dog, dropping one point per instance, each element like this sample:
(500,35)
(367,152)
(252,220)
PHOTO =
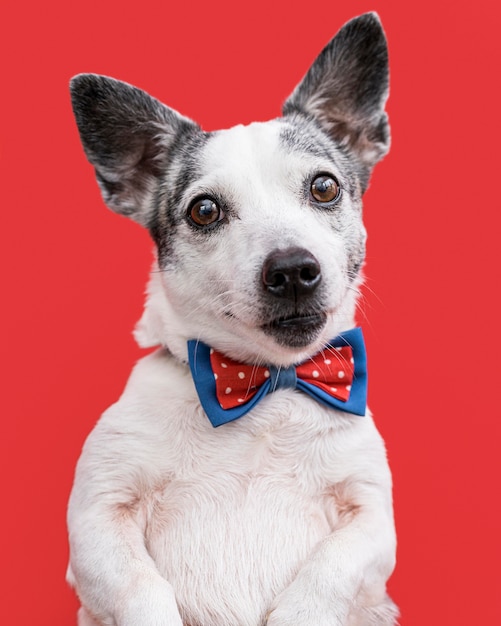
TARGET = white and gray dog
(282,515)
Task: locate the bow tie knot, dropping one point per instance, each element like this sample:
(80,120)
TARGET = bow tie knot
(227,389)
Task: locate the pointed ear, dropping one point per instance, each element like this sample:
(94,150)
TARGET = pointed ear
(346,89)
(126,135)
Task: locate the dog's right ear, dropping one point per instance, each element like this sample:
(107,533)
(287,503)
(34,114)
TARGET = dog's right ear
(126,135)
(346,89)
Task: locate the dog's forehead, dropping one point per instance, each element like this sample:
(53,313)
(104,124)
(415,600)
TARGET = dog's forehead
(263,150)
(253,143)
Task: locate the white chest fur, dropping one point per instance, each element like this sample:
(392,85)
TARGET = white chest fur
(228,515)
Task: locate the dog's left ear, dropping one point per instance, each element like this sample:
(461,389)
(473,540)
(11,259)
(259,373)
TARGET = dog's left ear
(346,89)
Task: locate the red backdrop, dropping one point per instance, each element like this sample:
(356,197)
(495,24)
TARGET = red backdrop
(74,273)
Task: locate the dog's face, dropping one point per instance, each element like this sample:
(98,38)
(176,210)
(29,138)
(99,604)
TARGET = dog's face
(258,229)
(260,249)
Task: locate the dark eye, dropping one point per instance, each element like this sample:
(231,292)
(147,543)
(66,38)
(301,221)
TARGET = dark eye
(325,189)
(205,212)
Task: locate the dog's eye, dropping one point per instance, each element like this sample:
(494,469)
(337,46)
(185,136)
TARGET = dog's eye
(205,212)
(325,189)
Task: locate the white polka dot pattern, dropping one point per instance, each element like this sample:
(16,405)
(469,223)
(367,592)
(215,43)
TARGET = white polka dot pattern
(237,383)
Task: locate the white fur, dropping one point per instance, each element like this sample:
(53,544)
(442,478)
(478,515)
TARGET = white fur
(283,517)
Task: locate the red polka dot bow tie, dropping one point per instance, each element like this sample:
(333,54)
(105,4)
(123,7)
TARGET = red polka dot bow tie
(336,377)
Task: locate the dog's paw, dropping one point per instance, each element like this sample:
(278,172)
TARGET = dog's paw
(304,612)
(301,616)
(297,610)
(151,604)
(308,602)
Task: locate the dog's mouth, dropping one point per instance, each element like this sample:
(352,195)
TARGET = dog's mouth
(298,321)
(296,331)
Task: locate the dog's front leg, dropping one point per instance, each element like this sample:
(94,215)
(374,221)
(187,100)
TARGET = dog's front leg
(116,579)
(114,575)
(343,583)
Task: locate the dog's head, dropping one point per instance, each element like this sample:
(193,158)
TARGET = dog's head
(258,228)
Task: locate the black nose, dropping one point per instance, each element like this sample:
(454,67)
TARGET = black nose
(292,273)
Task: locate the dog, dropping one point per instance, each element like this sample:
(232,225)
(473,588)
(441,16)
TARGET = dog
(266,500)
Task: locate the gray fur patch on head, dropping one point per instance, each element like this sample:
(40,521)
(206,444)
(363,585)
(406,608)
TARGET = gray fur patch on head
(304,134)
(183,166)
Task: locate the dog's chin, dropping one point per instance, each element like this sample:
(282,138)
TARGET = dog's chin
(296,332)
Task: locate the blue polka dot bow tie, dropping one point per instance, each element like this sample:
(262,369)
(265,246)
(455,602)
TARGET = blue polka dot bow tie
(336,377)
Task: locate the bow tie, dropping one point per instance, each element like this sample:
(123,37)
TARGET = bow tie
(336,377)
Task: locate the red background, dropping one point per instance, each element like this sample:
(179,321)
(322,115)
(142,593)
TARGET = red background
(74,273)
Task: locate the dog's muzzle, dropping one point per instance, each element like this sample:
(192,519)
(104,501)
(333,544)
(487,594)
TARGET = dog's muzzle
(290,279)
